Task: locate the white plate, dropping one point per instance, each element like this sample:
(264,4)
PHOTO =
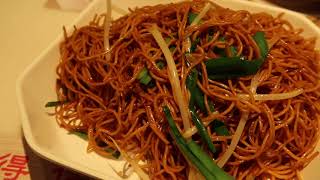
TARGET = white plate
(36,86)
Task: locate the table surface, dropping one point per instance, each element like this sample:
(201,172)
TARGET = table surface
(27,28)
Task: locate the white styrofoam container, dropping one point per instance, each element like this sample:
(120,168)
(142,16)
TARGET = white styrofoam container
(36,86)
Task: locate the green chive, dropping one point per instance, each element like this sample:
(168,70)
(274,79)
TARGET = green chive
(80,134)
(167,40)
(211,106)
(115,154)
(181,143)
(194,45)
(231,67)
(233,51)
(84,136)
(160,64)
(207,161)
(259,38)
(210,34)
(146,79)
(143,73)
(144,76)
(220,128)
(54,103)
(191,17)
(172,48)
(202,130)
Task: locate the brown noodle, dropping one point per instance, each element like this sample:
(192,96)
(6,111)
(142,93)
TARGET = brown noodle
(106,99)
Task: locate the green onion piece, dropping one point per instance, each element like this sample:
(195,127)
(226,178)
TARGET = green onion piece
(194,45)
(233,51)
(208,162)
(54,103)
(191,17)
(220,128)
(146,79)
(231,67)
(197,96)
(143,73)
(167,39)
(222,39)
(194,153)
(115,154)
(80,134)
(144,76)
(191,84)
(259,38)
(160,64)
(184,148)
(211,106)
(84,136)
(210,34)
(222,52)
(172,48)
(202,130)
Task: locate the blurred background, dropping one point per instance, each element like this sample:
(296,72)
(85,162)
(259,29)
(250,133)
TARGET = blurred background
(305,6)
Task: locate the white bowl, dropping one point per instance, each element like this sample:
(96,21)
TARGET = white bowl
(36,86)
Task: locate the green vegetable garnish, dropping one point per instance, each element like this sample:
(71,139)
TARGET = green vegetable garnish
(197,96)
(233,51)
(211,106)
(208,162)
(172,48)
(84,136)
(210,34)
(202,130)
(194,153)
(220,128)
(191,17)
(167,39)
(145,80)
(160,64)
(222,51)
(231,67)
(54,103)
(115,154)
(234,67)
(143,73)
(194,45)
(259,38)
(144,76)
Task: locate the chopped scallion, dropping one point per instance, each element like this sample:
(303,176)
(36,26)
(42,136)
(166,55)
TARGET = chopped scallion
(143,73)
(220,128)
(80,134)
(146,79)
(54,103)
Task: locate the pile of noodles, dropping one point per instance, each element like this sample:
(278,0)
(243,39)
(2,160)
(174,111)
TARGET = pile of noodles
(105,99)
